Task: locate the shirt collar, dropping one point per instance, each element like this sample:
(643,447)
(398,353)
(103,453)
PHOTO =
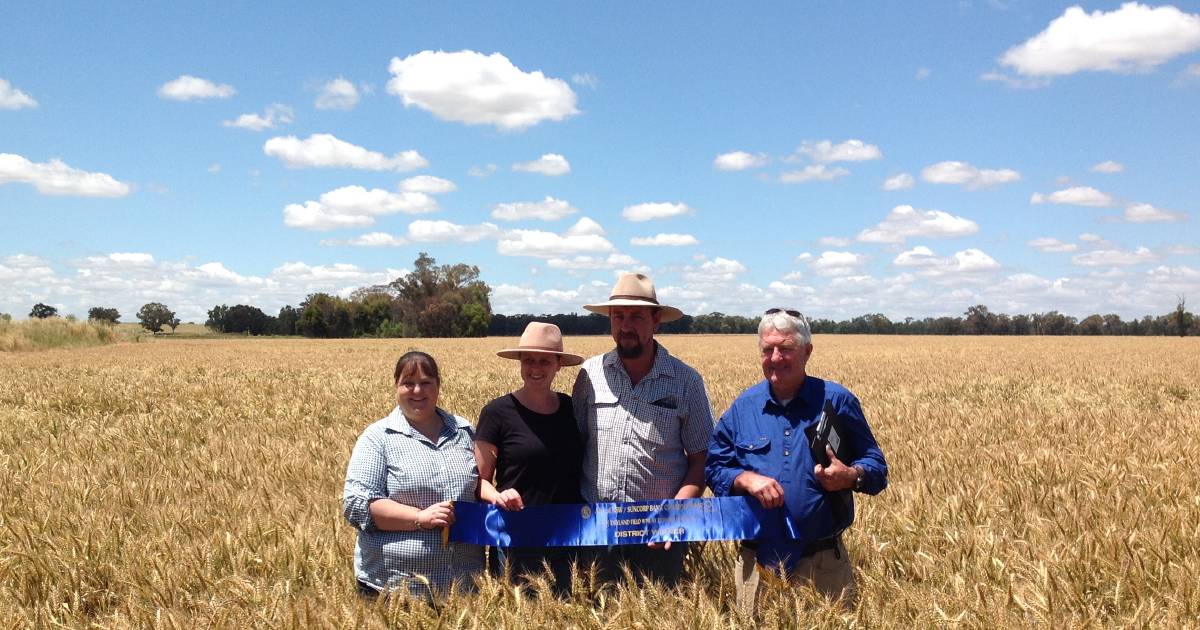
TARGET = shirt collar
(398,423)
(762,392)
(663,365)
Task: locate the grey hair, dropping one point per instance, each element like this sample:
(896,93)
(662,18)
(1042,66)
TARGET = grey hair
(797,327)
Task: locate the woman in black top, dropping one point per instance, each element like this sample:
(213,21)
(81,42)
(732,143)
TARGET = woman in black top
(529,440)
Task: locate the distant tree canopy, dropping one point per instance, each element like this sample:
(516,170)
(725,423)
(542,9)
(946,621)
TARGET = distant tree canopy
(43,311)
(977,320)
(155,315)
(431,301)
(102,314)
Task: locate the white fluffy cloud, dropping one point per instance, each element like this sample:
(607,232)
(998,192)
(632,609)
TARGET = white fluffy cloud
(903,181)
(322,150)
(905,222)
(548,209)
(354,206)
(928,264)
(585,226)
(57,179)
(550,164)
(813,172)
(477,89)
(1114,257)
(190,88)
(273,116)
(740,161)
(1075,196)
(952,172)
(1051,245)
(541,244)
(665,240)
(716,271)
(427,184)
(424,231)
(1146,213)
(649,211)
(12,98)
(590,263)
(825,151)
(1108,166)
(834,263)
(337,94)
(1133,37)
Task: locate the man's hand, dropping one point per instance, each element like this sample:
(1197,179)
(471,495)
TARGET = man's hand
(510,500)
(665,546)
(768,491)
(836,476)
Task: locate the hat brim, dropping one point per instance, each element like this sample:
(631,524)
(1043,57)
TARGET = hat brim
(565,359)
(667,313)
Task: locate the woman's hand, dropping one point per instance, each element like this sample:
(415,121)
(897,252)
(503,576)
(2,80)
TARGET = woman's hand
(510,500)
(436,515)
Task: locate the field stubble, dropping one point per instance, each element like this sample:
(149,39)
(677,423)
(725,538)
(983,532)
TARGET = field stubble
(1034,481)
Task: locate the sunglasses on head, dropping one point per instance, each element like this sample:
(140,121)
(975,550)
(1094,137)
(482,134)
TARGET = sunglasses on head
(796,314)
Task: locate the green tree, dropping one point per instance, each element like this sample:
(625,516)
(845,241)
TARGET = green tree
(1180,318)
(154,316)
(43,311)
(443,300)
(102,314)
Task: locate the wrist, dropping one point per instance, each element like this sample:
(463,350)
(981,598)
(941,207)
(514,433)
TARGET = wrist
(859,475)
(417,526)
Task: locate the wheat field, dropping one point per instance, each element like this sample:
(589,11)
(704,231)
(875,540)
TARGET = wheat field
(197,482)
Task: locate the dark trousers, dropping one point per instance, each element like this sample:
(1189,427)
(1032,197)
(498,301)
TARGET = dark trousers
(524,562)
(658,565)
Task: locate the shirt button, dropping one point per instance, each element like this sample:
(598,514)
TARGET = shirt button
(787,432)
(786,453)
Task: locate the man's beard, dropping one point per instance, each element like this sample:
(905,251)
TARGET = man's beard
(631,352)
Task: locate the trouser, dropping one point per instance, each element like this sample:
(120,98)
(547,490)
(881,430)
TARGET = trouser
(827,571)
(524,562)
(664,566)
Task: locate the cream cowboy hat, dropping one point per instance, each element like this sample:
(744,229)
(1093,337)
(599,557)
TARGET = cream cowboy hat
(635,289)
(543,338)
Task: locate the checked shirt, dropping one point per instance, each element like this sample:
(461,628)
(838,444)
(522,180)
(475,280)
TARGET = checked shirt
(637,437)
(395,461)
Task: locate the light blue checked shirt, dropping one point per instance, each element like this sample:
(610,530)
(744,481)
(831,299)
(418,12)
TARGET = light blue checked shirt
(637,437)
(393,460)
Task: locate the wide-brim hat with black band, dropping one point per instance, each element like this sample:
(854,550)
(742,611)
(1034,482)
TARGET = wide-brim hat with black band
(542,338)
(635,289)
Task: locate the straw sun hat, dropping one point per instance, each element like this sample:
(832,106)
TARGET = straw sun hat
(542,338)
(635,289)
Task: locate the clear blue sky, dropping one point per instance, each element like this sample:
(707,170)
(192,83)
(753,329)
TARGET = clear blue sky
(841,158)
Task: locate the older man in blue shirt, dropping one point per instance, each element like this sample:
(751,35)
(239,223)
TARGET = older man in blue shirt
(760,447)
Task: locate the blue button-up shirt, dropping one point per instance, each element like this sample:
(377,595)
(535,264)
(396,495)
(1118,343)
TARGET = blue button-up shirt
(760,435)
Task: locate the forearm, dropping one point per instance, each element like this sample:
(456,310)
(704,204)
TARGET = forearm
(488,492)
(693,482)
(393,516)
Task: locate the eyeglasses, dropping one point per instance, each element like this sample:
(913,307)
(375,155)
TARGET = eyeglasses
(796,314)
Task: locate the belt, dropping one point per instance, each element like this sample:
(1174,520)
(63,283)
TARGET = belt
(811,549)
(824,544)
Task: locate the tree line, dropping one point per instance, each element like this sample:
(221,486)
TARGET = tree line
(430,301)
(451,301)
(976,320)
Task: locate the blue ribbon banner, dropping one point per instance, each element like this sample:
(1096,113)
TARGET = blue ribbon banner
(637,522)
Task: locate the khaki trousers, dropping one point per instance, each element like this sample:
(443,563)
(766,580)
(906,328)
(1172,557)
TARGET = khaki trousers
(828,572)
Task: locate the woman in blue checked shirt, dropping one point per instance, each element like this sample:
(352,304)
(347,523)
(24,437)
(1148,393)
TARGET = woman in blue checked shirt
(405,471)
